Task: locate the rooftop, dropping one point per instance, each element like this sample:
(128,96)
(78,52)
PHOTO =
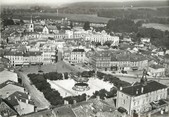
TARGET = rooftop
(78,50)
(154,66)
(102,54)
(7,108)
(18,96)
(139,89)
(64,111)
(9,82)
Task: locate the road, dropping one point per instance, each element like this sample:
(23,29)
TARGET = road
(133,78)
(36,95)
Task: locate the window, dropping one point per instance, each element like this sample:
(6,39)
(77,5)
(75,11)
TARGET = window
(124,101)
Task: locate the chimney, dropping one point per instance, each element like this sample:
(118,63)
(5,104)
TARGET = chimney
(29,97)
(98,97)
(7,94)
(74,102)
(27,101)
(142,89)
(137,91)
(121,88)
(66,102)
(87,97)
(9,98)
(105,98)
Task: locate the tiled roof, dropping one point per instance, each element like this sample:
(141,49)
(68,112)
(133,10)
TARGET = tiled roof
(156,66)
(11,111)
(18,96)
(102,54)
(16,53)
(136,90)
(78,50)
(64,111)
(127,56)
(9,82)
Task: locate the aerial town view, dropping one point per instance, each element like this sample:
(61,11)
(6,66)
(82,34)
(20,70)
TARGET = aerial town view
(84,58)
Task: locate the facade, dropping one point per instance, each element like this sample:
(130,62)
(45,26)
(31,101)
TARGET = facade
(146,97)
(156,70)
(21,58)
(166,64)
(77,56)
(45,30)
(9,87)
(128,61)
(21,102)
(101,60)
(102,38)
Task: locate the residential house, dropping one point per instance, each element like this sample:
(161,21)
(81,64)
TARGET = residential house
(21,102)
(6,75)
(9,87)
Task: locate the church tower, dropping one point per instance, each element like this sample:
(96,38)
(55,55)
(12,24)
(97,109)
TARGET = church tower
(31,26)
(143,80)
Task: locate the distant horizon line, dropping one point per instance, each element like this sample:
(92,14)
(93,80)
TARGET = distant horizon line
(62,3)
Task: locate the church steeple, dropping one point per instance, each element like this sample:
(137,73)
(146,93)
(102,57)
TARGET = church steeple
(31,20)
(31,26)
(143,80)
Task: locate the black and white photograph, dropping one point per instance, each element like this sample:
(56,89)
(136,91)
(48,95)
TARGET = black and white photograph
(84,58)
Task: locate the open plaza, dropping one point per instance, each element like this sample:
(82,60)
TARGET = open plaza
(65,87)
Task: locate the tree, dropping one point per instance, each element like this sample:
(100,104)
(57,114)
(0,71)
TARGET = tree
(71,25)
(86,26)
(7,22)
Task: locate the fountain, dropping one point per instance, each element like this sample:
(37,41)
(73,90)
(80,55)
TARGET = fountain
(81,84)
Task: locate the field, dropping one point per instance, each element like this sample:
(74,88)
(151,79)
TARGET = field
(161,27)
(65,87)
(72,17)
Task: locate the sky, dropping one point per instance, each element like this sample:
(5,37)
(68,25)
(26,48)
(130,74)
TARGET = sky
(59,1)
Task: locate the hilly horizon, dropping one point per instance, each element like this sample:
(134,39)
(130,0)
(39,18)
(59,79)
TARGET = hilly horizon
(94,4)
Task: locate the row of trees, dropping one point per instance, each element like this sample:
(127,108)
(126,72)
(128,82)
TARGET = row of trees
(53,96)
(141,13)
(112,79)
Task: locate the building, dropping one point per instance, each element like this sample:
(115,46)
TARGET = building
(6,110)
(30,26)
(9,87)
(102,38)
(8,75)
(144,98)
(166,64)
(128,61)
(101,60)
(21,58)
(21,102)
(77,56)
(45,30)
(156,70)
